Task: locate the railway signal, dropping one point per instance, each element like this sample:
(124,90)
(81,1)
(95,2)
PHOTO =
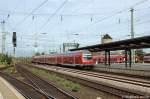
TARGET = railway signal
(14,39)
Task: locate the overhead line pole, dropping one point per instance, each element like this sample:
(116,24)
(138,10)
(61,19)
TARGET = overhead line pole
(132,23)
(3,36)
(132,33)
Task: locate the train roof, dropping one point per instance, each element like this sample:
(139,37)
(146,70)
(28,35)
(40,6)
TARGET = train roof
(65,53)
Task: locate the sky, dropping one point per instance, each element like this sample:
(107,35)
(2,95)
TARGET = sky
(49,23)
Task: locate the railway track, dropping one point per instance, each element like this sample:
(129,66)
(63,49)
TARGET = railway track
(43,85)
(140,82)
(130,72)
(110,89)
(27,90)
(135,81)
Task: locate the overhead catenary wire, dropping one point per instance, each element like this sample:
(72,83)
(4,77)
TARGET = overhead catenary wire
(35,9)
(66,14)
(147,21)
(81,14)
(139,3)
(116,13)
(48,14)
(121,11)
(136,4)
(50,17)
(107,17)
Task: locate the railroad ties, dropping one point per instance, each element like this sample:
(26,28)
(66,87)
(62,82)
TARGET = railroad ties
(116,85)
(44,86)
(27,90)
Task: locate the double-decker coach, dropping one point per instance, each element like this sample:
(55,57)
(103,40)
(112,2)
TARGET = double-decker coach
(147,58)
(81,59)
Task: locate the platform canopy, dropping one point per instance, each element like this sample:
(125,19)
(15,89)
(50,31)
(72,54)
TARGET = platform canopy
(135,43)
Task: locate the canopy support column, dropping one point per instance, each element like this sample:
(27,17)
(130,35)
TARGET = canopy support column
(105,58)
(126,59)
(109,58)
(130,57)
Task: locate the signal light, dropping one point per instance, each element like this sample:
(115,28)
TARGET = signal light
(14,39)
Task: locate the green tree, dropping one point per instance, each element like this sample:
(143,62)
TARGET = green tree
(5,58)
(37,54)
(42,53)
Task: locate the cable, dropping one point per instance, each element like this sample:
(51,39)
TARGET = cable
(47,14)
(50,17)
(143,22)
(19,23)
(138,3)
(121,11)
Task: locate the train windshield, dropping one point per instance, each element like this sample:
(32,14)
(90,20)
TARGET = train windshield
(87,56)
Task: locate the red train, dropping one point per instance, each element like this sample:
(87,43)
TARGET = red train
(147,58)
(118,58)
(113,59)
(81,59)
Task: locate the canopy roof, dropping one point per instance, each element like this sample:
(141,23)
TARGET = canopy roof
(135,43)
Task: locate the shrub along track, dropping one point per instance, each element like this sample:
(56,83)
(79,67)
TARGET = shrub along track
(27,90)
(100,86)
(43,85)
(2,68)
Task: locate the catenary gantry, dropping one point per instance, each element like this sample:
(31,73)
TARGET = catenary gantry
(127,45)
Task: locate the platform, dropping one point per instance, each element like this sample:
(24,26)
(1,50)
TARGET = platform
(136,66)
(7,91)
(140,69)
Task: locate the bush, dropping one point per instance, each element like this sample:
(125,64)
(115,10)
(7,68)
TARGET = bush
(5,58)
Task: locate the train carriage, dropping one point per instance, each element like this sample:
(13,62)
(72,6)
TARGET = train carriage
(113,59)
(147,58)
(81,59)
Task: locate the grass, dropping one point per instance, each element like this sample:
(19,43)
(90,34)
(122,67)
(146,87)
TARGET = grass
(57,79)
(2,65)
(10,70)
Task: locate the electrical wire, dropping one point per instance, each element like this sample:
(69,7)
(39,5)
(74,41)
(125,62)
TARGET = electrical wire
(50,17)
(55,13)
(139,3)
(110,16)
(121,11)
(48,14)
(148,21)
(39,6)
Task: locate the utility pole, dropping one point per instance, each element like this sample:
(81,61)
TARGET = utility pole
(132,33)
(35,44)
(132,23)
(3,36)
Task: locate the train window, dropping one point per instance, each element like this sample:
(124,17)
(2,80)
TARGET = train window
(87,56)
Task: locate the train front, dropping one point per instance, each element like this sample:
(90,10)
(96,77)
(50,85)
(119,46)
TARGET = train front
(87,59)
